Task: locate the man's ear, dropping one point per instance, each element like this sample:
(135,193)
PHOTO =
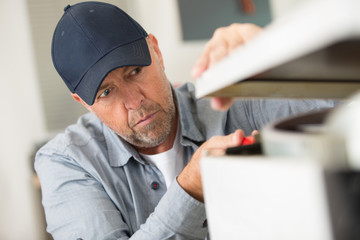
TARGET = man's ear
(155,46)
(78,99)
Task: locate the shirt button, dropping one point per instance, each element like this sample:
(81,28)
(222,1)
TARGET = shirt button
(155,185)
(205,223)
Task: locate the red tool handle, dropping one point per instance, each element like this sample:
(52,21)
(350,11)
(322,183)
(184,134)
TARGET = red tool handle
(248,140)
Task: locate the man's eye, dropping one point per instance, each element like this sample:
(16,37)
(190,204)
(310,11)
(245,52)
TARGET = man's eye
(104,93)
(135,71)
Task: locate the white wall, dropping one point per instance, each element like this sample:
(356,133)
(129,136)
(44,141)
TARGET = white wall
(161,18)
(21,125)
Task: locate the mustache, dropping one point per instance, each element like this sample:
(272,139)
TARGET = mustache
(137,115)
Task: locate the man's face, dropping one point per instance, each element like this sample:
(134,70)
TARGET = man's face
(137,102)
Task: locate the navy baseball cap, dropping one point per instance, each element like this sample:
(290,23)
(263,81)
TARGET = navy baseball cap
(92,39)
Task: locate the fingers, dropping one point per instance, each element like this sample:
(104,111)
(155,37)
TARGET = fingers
(223,142)
(255,132)
(190,178)
(237,138)
(222,43)
(200,66)
(216,54)
(250,139)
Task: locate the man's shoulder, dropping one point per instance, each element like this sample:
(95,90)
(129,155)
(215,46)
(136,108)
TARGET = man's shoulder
(197,115)
(87,128)
(185,94)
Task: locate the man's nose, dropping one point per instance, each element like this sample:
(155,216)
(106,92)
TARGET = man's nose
(132,97)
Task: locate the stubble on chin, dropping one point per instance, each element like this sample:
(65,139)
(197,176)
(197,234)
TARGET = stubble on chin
(154,133)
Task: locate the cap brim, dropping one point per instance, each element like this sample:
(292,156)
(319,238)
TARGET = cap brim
(132,54)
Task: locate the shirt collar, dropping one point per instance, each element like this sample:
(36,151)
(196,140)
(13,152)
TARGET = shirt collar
(120,152)
(187,113)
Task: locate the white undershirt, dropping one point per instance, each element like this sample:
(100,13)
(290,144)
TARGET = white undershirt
(170,163)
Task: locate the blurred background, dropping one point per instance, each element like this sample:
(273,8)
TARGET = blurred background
(35,104)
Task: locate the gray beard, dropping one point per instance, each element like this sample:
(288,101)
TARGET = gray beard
(142,138)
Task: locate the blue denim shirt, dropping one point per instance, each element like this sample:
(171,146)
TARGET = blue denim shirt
(96,186)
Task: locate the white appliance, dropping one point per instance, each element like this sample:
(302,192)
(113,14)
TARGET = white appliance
(305,183)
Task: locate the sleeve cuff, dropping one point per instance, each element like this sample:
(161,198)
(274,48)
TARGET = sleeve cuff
(182,213)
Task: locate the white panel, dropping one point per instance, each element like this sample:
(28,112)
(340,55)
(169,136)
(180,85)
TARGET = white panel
(265,198)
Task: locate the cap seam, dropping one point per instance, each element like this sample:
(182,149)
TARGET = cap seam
(87,34)
(91,40)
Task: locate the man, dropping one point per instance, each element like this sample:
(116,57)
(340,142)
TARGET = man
(130,167)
